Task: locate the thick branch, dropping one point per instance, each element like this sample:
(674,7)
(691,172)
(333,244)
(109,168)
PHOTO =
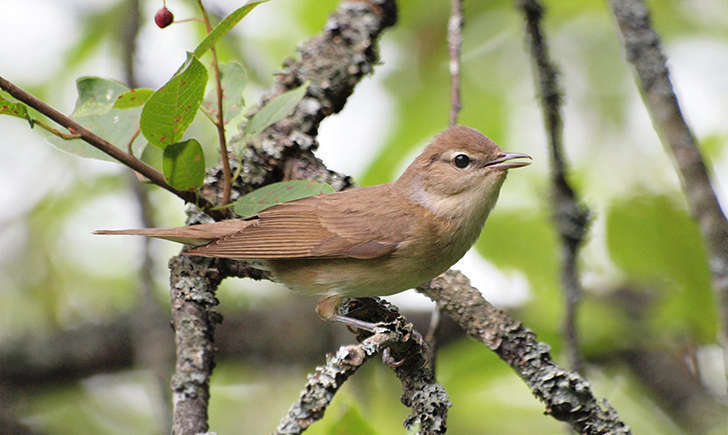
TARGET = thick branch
(570,217)
(193,283)
(94,140)
(642,46)
(333,63)
(567,395)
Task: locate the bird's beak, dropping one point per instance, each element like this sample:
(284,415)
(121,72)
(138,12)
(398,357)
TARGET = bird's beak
(502,161)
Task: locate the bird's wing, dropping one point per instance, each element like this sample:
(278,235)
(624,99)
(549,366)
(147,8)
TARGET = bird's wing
(349,224)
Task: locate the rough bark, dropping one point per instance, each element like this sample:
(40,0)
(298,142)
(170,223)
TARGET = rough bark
(644,52)
(567,395)
(569,215)
(403,349)
(193,283)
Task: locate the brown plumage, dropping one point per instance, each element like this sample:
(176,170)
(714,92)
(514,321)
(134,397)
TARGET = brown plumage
(368,241)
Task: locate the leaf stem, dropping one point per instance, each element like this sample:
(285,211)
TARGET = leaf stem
(55,131)
(220,124)
(131,141)
(187,20)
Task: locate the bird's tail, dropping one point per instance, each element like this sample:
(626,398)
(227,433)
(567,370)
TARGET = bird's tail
(191,235)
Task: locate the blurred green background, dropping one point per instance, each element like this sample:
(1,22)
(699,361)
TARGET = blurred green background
(75,352)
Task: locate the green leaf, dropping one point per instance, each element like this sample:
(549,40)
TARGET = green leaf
(171,109)
(183,165)
(234,78)
(225,26)
(133,98)
(96,96)
(654,241)
(275,110)
(152,156)
(13,108)
(95,111)
(277,193)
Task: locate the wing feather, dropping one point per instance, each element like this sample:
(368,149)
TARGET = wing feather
(349,224)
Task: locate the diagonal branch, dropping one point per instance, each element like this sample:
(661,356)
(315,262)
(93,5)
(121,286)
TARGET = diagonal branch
(642,46)
(570,216)
(333,62)
(567,395)
(98,142)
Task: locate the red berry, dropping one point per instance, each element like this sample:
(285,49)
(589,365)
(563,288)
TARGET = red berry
(163,18)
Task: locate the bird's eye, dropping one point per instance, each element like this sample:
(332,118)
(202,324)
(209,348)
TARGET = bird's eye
(461,161)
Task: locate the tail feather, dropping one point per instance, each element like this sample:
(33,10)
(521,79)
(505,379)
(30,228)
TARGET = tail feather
(191,235)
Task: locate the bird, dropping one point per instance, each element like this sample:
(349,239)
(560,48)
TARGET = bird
(367,241)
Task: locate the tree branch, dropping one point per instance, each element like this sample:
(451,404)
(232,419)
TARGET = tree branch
(403,350)
(94,140)
(193,283)
(642,46)
(570,216)
(333,62)
(567,395)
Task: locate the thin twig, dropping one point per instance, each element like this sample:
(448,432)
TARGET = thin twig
(643,50)
(454,43)
(220,123)
(570,216)
(94,140)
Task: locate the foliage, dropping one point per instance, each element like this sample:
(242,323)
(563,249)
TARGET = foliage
(277,193)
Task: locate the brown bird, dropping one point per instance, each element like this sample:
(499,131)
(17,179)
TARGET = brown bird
(368,241)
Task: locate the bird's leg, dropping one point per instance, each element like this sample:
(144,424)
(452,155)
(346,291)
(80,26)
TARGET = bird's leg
(328,309)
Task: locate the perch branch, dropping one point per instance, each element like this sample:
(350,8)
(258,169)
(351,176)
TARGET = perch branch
(570,217)
(567,395)
(403,350)
(642,47)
